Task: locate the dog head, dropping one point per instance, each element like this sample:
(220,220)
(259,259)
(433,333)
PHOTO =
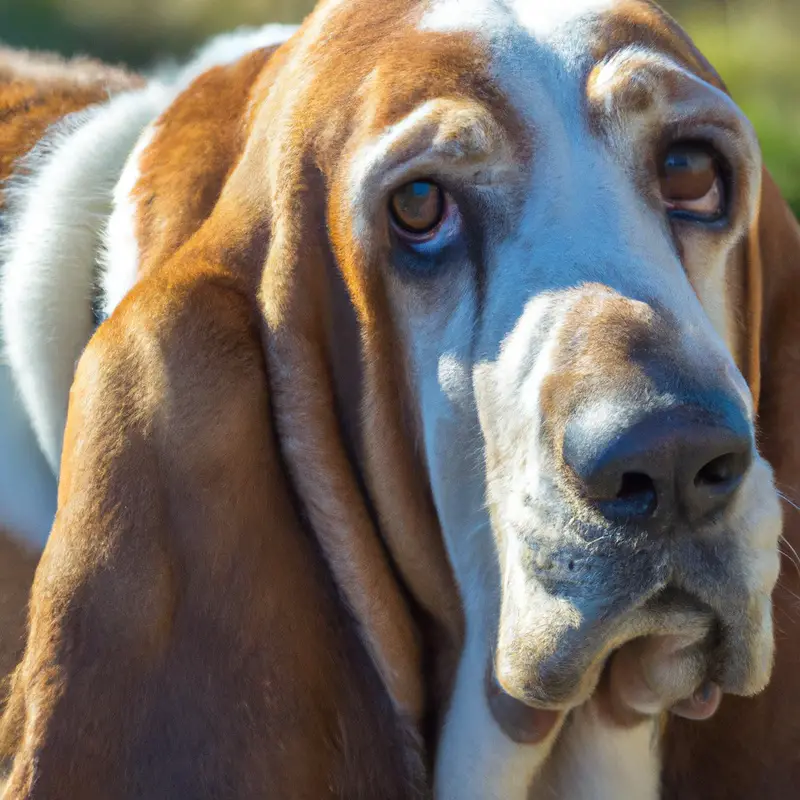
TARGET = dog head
(542,220)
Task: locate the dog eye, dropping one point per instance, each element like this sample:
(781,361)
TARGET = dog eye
(691,181)
(417,209)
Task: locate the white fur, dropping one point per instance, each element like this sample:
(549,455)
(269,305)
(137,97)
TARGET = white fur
(539,19)
(594,761)
(513,357)
(70,207)
(55,226)
(477,761)
(27,485)
(119,257)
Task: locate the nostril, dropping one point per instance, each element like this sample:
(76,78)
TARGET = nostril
(637,492)
(635,484)
(715,483)
(636,498)
(722,473)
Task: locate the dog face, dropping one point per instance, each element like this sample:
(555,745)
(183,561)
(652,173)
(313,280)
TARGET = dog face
(549,208)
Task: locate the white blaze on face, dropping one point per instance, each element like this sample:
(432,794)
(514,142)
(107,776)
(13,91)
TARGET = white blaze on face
(538,18)
(582,220)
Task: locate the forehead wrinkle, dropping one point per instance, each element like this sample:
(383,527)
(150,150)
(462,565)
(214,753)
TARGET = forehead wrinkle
(390,78)
(538,54)
(618,83)
(636,88)
(634,78)
(461,132)
(645,23)
(539,47)
(439,136)
(357,59)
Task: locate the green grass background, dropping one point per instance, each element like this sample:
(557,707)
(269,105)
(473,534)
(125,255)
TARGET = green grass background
(755,45)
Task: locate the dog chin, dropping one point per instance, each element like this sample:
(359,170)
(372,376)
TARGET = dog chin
(680,635)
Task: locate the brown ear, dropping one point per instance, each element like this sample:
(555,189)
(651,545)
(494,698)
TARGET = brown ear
(728,755)
(342,412)
(775,259)
(770,260)
(186,639)
(376,546)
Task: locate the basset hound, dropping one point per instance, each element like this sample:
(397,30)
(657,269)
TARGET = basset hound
(437,375)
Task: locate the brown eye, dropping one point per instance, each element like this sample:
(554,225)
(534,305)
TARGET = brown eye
(418,207)
(691,181)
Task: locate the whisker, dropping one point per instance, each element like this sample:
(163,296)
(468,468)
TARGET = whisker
(788,493)
(792,555)
(788,591)
(789,612)
(789,500)
(598,539)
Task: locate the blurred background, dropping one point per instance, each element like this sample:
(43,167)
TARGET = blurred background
(755,45)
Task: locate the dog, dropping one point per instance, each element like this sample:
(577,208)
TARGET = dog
(436,373)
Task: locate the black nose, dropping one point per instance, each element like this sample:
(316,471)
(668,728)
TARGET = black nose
(682,464)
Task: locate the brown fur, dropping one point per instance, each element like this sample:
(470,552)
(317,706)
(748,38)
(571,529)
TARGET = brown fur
(38,90)
(245,593)
(16,574)
(751,748)
(289,659)
(195,147)
(185,639)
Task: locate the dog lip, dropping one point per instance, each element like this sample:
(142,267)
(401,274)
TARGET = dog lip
(702,705)
(566,676)
(521,722)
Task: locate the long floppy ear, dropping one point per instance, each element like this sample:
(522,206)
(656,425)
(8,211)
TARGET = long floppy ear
(190,634)
(339,420)
(186,639)
(727,755)
(342,411)
(775,259)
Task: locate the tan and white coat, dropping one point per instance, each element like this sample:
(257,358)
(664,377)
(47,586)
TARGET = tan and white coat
(295,477)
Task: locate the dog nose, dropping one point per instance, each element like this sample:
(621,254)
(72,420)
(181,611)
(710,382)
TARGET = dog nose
(676,465)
